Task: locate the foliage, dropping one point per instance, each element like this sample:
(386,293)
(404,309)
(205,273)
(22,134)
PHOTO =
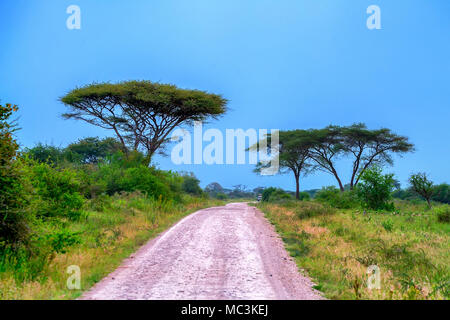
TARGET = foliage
(92,149)
(221,196)
(304,196)
(388,225)
(61,240)
(274,194)
(293,154)
(302,151)
(13,219)
(46,153)
(441,193)
(89,150)
(119,175)
(422,186)
(98,244)
(56,191)
(375,189)
(337,199)
(443,214)
(191,184)
(141,113)
(409,246)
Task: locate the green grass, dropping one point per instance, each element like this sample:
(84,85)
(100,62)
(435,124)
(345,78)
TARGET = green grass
(335,248)
(111,229)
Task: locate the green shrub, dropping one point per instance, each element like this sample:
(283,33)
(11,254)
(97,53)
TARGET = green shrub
(304,196)
(55,190)
(13,217)
(388,225)
(221,196)
(275,194)
(337,199)
(143,179)
(120,175)
(375,189)
(441,193)
(191,184)
(62,239)
(443,213)
(26,262)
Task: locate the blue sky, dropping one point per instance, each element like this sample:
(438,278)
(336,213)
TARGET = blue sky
(282,64)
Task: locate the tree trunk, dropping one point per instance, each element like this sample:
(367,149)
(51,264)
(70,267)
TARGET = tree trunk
(147,160)
(429,203)
(341,186)
(297,187)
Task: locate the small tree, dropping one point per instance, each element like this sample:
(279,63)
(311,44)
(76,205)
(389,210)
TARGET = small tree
(141,113)
(13,222)
(367,148)
(294,155)
(191,184)
(422,186)
(375,189)
(326,148)
(92,149)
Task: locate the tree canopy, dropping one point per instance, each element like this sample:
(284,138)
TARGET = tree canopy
(141,113)
(366,147)
(293,154)
(302,151)
(423,186)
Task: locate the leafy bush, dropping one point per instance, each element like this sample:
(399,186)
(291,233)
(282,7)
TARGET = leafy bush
(45,153)
(13,218)
(62,239)
(221,196)
(25,262)
(441,193)
(191,184)
(119,174)
(388,225)
(337,199)
(443,214)
(275,194)
(55,190)
(304,196)
(375,189)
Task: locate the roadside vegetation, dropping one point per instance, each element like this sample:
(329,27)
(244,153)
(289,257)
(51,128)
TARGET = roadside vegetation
(94,202)
(337,236)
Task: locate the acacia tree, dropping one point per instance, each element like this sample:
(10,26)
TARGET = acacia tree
(368,147)
(371,147)
(325,148)
(422,186)
(293,154)
(141,113)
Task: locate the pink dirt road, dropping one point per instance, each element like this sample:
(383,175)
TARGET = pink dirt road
(229,252)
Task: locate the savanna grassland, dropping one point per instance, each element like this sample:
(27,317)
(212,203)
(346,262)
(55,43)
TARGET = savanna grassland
(88,205)
(335,247)
(111,229)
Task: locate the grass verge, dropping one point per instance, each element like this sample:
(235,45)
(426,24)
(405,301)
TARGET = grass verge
(336,248)
(109,232)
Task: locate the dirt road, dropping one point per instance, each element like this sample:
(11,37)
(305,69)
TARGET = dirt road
(229,252)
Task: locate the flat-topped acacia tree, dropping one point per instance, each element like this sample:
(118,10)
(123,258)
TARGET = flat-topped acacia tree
(294,154)
(141,113)
(366,147)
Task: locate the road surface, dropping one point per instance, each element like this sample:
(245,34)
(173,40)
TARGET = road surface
(229,252)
